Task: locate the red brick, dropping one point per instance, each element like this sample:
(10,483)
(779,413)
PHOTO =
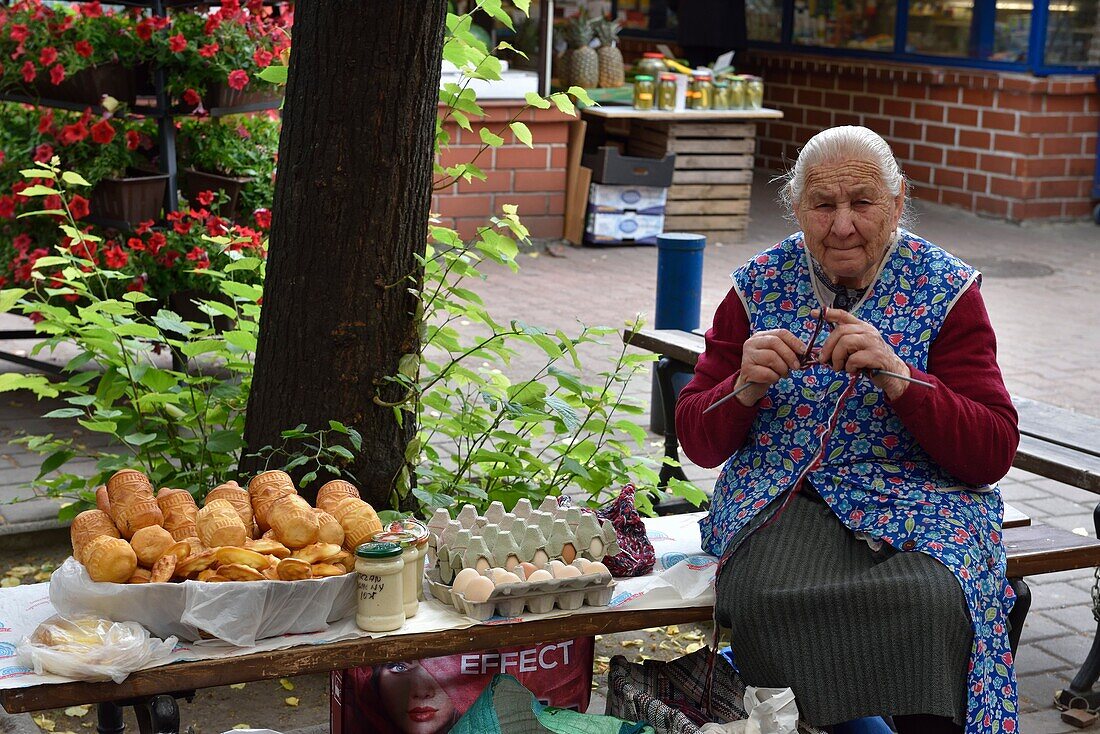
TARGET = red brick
(851,84)
(912,91)
(944,94)
(902,151)
(463,206)
(550,132)
(1010,187)
(897,108)
(1090,145)
(1075,209)
(780,95)
(1021,144)
(939,134)
(819,118)
(468,228)
(962,116)
(947,177)
(529,204)
(907,130)
(1062,145)
(928,154)
(867,104)
(997,164)
(809,97)
(515,156)
(548,181)
(840,102)
(1068,104)
(928,111)
(961,199)
(918,173)
(555,204)
(884,88)
(1081,167)
(1059,189)
(977,97)
(992,120)
(1020,102)
(989,205)
(977,182)
(845,118)
(549,226)
(1085,123)
(559,156)
(1040,123)
(1040,167)
(458,154)
(1040,210)
(974,139)
(495,182)
(962,158)
(880,125)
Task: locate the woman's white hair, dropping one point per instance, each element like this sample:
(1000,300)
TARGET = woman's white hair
(843,143)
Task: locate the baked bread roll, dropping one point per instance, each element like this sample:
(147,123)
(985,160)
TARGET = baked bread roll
(110,559)
(86,527)
(180,511)
(330,530)
(294,521)
(332,492)
(219,524)
(265,489)
(236,496)
(150,544)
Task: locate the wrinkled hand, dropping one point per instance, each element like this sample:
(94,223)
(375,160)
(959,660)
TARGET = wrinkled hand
(855,345)
(766,358)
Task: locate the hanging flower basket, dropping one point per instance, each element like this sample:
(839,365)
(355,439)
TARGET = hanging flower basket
(221,94)
(136,198)
(195,182)
(88,86)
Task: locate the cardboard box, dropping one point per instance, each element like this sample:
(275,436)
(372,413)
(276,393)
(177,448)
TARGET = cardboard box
(623,228)
(639,199)
(609,166)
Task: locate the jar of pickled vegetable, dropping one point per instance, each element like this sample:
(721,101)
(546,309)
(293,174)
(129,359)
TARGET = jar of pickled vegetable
(644,92)
(721,96)
(755,93)
(651,64)
(702,97)
(737,93)
(666,92)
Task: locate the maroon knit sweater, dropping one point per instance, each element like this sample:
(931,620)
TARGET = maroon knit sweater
(967,424)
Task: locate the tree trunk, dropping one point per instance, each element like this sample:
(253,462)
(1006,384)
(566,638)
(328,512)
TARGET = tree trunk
(351,205)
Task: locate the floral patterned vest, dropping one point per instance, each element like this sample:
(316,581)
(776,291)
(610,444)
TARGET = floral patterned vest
(839,433)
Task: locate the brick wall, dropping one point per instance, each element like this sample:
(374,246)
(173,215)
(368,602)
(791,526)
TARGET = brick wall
(1013,146)
(532,178)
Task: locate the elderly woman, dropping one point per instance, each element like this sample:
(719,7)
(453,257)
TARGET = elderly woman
(856,516)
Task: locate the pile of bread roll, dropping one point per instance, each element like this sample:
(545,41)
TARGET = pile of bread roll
(264,532)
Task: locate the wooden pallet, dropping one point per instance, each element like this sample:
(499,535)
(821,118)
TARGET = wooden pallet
(713,176)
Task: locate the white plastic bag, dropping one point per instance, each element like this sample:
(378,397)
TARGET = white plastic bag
(238,612)
(772,709)
(92,649)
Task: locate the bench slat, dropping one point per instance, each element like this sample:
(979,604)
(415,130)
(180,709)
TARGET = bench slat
(1058,463)
(1056,425)
(683,346)
(1039,549)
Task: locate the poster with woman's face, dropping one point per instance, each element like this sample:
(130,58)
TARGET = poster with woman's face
(428,696)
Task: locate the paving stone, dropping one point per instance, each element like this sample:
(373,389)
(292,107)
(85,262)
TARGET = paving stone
(31,511)
(1030,658)
(1060,577)
(1058,594)
(1070,648)
(1037,692)
(1077,617)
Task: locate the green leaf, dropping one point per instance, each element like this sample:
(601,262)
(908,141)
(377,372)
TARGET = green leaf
(39,190)
(580,95)
(137,297)
(489,138)
(537,101)
(274,74)
(50,261)
(74,179)
(139,439)
(64,413)
(54,461)
(563,103)
(9,297)
(224,442)
(158,380)
(522,133)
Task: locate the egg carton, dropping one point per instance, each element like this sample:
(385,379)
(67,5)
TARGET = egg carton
(539,597)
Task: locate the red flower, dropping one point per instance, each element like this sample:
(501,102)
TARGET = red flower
(169,258)
(47,56)
(243,132)
(144,29)
(103,132)
(144,227)
(29,72)
(133,139)
(73,133)
(198,256)
(115,256)
(177,43)
(208,50)
(19,33)
(263,218)
(43,153)
(206,198)
(136,285)
(57,74)
(79,207)
(263,58)
(7,207)
(212,24)
(45,121)
(92,9)
(890,441)
(136,244)
(192,98)
(182,226)
(901,299)
(796,454)
(52,202)
(238,79)
(157,241)
(83,48)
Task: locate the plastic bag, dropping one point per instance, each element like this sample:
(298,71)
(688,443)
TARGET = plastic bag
(92,649)
(773,709)
(238,612)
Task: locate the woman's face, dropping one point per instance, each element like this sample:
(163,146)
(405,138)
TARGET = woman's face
(848,215)
(414,702)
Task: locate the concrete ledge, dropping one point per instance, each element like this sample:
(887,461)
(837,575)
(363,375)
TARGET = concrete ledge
(17,724)
(24,535)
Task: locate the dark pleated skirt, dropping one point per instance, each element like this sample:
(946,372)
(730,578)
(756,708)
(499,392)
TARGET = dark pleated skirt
(854,632)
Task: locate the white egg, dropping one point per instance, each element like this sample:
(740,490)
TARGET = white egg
(503,576)
(596,567)
(479,589)
(566,572)
(463,579)
(554,564)
(540,575)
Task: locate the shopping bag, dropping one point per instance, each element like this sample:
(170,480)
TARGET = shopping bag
(774,710)
(506,707)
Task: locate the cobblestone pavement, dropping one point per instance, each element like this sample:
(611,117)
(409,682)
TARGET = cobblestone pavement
(1040,290)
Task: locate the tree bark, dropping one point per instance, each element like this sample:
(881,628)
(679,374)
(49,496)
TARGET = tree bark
(351,205)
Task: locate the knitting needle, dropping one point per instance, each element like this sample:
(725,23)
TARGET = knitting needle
(733,394)
(896,376)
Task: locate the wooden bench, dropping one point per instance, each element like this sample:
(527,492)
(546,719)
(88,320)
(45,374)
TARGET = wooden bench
(1054,443)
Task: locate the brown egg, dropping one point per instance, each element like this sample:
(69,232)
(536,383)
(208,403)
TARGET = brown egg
(540,575)
(566,572)
(528,569)
(479,589)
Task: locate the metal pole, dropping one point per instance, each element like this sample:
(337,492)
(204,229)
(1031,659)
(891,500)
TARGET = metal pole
(546,45)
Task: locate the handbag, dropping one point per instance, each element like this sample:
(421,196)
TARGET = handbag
(636,555)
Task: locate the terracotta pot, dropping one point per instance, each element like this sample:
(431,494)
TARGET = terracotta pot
(89,85)
(133,199)
(223,95)
(195,182)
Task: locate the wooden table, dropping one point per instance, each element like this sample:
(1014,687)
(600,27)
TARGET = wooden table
(714,161)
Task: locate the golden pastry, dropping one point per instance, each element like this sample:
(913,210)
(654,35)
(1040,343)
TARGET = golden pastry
(179,510)
(344,559)
(292,569)
(150,544)
(164,569)
(110,559)
(316,552)
(181,549)
(236,496)
(239,572)
(293,521)
(87,526)
(360,525)
(219,524)
(102,501)
(332,492)
(264,489)
(320,570)
(206,575)
(193,564)
(141,576)
(140,512)
(268,547)
(240,556)
(330,530)
(126,484)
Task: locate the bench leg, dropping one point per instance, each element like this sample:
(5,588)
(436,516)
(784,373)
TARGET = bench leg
(109,717)
(1019,613)
(158,715)
(666,369)
(1081,685)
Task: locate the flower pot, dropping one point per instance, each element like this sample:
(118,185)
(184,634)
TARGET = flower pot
(134,199)
(88,86)
(195,182)
(221,94)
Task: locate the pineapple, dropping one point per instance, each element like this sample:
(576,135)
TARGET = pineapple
(610,57)
(584,62)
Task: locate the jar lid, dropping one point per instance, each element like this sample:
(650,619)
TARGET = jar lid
(701,74)
(417,528)
(378,550)
(643,78)
(403,538)
(668,77)
(653,55)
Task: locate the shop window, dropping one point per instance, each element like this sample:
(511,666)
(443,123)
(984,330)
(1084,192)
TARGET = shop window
(1073,33)
(764,20)
(1011,31)
(940,27)
(862,24)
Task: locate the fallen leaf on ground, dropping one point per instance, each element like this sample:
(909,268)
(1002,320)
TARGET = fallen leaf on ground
(285,683)
(633,643)
(44,722)
(9,582)
(236,686)
(241,726)
(291,701)
(77,711)
(42,576)
(22,570)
